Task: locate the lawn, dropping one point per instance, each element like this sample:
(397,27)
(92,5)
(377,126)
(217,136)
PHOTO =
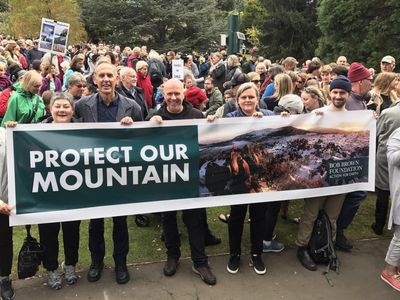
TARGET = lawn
(146,246)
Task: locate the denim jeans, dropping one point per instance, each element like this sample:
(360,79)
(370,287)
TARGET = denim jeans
(350,207)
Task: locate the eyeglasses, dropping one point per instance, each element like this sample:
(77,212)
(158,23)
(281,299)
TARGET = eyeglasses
(81,86)
(255,81)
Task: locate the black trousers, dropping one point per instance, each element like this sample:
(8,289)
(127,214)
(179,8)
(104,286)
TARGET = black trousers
(49,239)
(194,221)
(271,217)
(381,208)
(257,227)
(120,237)
(6,246)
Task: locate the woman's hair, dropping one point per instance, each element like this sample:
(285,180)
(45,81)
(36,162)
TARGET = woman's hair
(283,85)
(62,96)
(75,78)
(47,69)
(140,64)
(29,79)
(188,74)
(77,58)
(234,61)
(315,93)
(111,55)
(262,65)
(154,55)
(217,54)
(382,84)
(275,70)
(247,86)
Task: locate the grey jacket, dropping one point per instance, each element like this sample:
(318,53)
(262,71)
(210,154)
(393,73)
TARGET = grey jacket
(393,155)
(86,109)
(388,122)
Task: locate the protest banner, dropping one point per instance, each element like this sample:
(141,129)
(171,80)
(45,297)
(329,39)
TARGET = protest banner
(53,36)
(63,172)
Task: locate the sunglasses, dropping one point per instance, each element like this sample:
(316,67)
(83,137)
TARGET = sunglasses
(80,86)
(255,81)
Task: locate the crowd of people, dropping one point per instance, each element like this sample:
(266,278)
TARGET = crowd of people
(102,83)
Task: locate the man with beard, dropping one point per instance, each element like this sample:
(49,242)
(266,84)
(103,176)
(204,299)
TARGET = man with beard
(108,106)
(340,89)
(215,99)
(175,108)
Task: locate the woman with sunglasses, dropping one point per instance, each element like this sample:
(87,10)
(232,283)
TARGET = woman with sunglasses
(25,105)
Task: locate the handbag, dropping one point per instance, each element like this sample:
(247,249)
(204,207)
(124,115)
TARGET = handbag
(30,256)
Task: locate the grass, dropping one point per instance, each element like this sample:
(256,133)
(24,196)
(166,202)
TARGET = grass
(146,246)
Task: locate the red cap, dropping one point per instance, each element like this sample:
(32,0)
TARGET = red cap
(358,72)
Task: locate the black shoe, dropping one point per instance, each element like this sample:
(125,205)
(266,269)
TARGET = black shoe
(233,264)
(121,274)
(7,291)
(171,265)
(95,270)
(305,259)
(342,243)
(376,229)
(205,274)
(212,240)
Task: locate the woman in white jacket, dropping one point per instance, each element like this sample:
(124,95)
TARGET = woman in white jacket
(390,274)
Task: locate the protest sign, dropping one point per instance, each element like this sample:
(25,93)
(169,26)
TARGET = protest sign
(177,69)
(63,172)
(53,36)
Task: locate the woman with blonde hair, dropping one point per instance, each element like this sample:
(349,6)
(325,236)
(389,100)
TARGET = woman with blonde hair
(283,86)
(383,94)
(25,106)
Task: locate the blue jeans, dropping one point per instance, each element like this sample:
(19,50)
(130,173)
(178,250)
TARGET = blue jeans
(349,209)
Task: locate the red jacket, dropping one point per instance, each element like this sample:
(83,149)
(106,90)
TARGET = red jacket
(4,97)
(145,84)
(195,96)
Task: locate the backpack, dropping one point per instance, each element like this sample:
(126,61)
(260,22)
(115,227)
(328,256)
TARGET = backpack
(30,256)
(321,247)
(155,74)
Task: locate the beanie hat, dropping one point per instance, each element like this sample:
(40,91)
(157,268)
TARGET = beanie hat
(292,102)
(358,72)
(342,83)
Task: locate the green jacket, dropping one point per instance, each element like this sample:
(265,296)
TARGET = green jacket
(21,105)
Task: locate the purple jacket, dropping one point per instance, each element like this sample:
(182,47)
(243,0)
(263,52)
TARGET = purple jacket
(46,85)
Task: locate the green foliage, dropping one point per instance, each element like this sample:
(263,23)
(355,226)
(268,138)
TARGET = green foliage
(290,29)
(25,17)
(252,19)
(364,31)
(182,25)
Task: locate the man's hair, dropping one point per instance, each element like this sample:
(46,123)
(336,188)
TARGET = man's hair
(125,70)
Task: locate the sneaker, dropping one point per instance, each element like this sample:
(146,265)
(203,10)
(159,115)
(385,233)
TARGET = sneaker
(205,274)
(69,274)
(7,291)
(233,264)
(273,246)
(257,263)
(392,280)
(54,280)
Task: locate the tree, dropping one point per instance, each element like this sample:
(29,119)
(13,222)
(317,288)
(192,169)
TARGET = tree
(25,17)
(363,31)
(252,20)
(290,29)
(182,25)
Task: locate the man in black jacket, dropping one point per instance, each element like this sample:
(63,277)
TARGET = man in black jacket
(128,88)
(175,108)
